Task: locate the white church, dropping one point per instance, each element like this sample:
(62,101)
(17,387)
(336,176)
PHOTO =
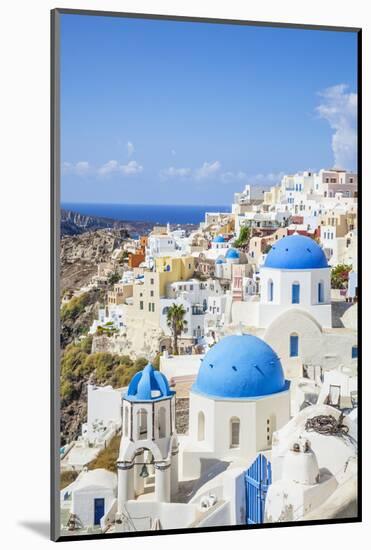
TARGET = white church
(294,313)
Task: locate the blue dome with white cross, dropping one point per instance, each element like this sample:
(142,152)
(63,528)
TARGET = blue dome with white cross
(240,367)
(148,385)
(296,252)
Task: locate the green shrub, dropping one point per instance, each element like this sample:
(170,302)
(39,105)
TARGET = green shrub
(67,477)
(78,366)
(67,390)
(340,276)
(107,457)
(114,278)
(243,237)
(140,363)
(72,309)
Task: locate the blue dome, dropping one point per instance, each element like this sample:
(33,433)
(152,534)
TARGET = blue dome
(238,367)
(148,385)
(296,252)
(232,254)
(220,261)
(218,239)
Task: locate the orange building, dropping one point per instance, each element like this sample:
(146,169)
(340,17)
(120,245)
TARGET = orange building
(136,258)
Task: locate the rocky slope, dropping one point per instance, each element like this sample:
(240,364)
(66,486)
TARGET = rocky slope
(74,223)
(78,314)
(80,255)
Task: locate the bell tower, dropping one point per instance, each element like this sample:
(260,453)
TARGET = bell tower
(148,457)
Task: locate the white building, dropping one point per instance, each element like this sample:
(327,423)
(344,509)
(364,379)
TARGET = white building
(193,295)
(259,219)
(294,313)
(148,440)
(239,399)
(314,475)
(295,274)
(111,317)
(93,494)
(104,413)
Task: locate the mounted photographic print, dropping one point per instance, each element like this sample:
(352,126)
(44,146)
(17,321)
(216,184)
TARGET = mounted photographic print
(206,282)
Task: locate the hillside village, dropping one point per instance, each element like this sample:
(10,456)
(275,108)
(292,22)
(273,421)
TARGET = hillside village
(198,365)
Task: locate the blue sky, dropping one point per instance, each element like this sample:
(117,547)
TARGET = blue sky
(188,113)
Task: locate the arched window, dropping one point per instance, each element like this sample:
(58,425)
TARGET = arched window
(295,293)
(201,426)
(354,352)
(161,418)
(165,310)
(294,345)
(321,292)
(234,432)
(142,424)
(205,304)
(126,421)
(270,290)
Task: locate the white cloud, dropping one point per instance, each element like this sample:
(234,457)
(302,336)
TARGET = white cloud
(213,170)
(271,178)
(339,108)
(80,168)
(229,177)
(173,172)
(114,167)
(130,148)
(133,167)
(108,168)
(207,169)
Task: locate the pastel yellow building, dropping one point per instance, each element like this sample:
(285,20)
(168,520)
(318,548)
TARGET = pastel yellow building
(152,286)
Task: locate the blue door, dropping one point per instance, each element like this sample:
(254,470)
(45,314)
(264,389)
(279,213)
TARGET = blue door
(257,480)
(98,510)
(295,293)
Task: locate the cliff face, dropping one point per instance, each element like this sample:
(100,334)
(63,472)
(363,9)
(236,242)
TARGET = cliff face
(74,223)
(80,255)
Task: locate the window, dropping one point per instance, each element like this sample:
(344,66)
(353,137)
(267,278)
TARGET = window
(294,345)
(321,292)
(141,304)
(142,426)
(270,291)
(161,422)
(235,432)
(152,292)
(126,421)
(152,281)
(354,352)
(295,293)
(201,426)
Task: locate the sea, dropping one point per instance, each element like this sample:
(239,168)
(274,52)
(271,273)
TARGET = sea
(161,214)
